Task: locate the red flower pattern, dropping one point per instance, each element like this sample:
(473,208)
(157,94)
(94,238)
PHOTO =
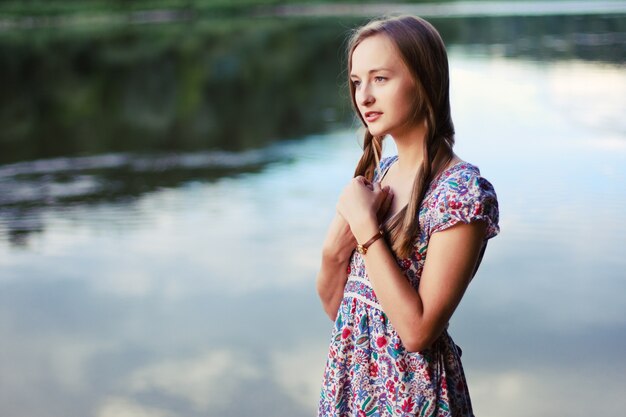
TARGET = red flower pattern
(381,342)
(374,370)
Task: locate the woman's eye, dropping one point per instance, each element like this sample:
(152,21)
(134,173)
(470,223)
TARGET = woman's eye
(356,83)
(379,79)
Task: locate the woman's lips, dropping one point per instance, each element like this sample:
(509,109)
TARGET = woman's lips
(372,116)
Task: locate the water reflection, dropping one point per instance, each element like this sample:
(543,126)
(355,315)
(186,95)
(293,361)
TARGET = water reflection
(189,292)
(231,84)
(30,189)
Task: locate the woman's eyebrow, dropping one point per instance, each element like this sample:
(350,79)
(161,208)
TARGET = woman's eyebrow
(372,71)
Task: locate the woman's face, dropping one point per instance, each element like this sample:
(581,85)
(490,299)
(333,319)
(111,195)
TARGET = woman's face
(385,92)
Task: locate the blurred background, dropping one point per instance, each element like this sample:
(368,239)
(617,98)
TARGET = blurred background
(168,169)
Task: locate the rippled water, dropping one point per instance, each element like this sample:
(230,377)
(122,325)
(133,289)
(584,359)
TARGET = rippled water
(127,292)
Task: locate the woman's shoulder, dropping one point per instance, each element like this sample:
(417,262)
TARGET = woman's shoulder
(462,178)
(461,193)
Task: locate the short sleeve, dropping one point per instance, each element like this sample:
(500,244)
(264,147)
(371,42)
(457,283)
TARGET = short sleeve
(465,197)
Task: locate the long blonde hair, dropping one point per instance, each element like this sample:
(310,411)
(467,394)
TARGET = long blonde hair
(424,54)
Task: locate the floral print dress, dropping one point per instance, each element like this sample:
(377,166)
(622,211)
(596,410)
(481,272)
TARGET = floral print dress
(368,372)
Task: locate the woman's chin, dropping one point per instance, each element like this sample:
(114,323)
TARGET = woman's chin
(377,132)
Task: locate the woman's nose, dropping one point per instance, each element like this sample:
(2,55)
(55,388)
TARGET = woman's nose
(366,98)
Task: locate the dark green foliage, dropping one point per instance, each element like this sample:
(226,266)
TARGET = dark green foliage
(230,85)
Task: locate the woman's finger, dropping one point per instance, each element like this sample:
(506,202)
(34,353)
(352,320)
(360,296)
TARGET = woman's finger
(385,205)
(362,180)
(380,192)
(388,201)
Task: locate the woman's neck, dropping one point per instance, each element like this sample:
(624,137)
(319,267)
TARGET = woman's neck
(410,146)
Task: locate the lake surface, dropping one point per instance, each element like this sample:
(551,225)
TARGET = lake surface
(181,282)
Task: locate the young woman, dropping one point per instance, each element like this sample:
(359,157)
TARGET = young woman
(408,236)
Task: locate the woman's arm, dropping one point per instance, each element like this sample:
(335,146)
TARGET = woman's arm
(332,277)
(336,251)
(419,316)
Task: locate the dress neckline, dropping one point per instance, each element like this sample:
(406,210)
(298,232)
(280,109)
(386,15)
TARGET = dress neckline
(433,184)
(444,173)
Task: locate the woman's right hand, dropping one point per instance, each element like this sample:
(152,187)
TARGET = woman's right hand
(340,241)
(336,251)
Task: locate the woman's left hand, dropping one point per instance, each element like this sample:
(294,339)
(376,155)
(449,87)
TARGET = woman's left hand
(359,204)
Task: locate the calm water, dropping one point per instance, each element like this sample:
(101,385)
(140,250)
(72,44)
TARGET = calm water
(128,292)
